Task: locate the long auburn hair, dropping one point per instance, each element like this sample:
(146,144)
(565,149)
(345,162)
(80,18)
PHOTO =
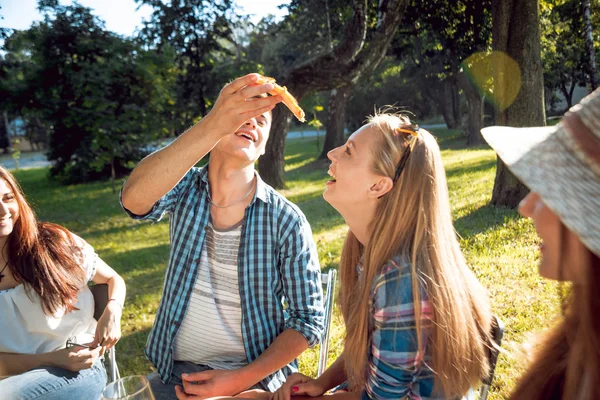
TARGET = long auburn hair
(43,256)
(413,220)
(566,360)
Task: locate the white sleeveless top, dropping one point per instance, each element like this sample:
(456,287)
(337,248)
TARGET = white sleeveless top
(26,329)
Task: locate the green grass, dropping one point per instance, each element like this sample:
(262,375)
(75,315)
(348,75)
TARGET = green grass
(499,245)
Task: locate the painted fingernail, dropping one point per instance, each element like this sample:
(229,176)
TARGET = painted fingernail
(295,388)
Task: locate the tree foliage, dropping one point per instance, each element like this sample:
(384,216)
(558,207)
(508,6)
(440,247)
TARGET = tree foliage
(366,37)
(202,35)
(563,48)
(100,96)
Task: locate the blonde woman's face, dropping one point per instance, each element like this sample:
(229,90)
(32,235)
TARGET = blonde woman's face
(351,186)
(569,265)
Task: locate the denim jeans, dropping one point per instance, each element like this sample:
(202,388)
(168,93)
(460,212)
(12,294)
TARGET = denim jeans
(53,383)
(167,391)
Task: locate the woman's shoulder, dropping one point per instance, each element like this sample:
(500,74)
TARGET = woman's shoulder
(397,268)
(394,279)
(394,282)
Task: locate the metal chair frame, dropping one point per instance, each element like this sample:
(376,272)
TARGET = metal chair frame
(329,281)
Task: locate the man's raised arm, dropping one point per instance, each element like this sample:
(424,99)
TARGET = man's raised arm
(159,172)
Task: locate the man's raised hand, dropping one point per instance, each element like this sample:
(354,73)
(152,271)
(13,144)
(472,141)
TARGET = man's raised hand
(238,102)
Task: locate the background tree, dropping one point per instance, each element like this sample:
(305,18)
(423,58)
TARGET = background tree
(201,35)
(395,82)
(446,33)
(516,32)
(563,48)
(98,94)
(367,37)
(589,44)
(311,29)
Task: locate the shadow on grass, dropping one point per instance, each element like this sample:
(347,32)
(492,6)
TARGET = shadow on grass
(467,168)
(130,260)
(312,170)
(130,353)
(453,139)
(484,219)
(294,158)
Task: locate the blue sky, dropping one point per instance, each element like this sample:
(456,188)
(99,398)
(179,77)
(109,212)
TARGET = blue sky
(120,16)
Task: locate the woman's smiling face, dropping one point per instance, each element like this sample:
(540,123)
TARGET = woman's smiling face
(351,168)
(9,209)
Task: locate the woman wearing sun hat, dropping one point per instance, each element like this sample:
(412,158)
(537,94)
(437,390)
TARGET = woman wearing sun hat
(561,166)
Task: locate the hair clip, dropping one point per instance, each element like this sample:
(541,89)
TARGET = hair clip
(411,132)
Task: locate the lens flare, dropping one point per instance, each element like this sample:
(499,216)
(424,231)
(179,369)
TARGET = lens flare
(496,76)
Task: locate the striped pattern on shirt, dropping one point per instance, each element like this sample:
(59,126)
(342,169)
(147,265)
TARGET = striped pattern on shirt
(211,331)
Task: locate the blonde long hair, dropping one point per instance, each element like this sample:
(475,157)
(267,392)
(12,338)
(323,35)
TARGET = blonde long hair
(414,220)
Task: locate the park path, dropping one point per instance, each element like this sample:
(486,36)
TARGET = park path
(38,159)
(34,159)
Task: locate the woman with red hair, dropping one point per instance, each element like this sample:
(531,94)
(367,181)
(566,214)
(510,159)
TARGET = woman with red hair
(50,346)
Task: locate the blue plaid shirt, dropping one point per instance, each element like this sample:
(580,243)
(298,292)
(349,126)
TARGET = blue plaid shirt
(277,261)
(397,368)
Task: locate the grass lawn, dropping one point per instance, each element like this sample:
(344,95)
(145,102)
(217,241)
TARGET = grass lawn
(500,246)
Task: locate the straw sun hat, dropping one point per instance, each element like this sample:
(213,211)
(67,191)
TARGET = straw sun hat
(562,164)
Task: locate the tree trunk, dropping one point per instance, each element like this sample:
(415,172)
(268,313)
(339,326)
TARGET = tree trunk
(113,176)
(516,31)
(7,130)
(448,103)
(475,111)
(336,120)
(455,103)
(271,168)
(570,96)
(589,45)
(353,59)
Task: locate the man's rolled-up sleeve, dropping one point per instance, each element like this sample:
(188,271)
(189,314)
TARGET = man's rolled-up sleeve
(301,275)
(167,203)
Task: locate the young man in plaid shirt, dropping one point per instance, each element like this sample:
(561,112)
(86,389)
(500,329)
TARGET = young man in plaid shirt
(239,252)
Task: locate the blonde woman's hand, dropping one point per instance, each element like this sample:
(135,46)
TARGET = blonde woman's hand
(298,384)
(108,329)
(75,358)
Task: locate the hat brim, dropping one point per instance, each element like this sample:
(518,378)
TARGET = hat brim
(544,163)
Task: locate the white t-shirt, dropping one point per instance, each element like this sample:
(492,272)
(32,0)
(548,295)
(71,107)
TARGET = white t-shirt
(26,329)
(211,331)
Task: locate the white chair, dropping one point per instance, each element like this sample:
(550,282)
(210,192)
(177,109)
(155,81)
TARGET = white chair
(329,281)
(100,293)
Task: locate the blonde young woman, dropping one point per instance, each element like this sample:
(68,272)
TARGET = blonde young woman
(561,166)
(417,320)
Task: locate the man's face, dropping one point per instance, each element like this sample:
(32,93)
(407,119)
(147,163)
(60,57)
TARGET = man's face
(249,140)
